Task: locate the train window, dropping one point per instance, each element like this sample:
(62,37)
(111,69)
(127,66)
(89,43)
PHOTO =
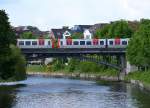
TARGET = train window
(124,42)
(88,43)
(76,43)
(61,42)
(21,42)
(34,42)
(111,42)
(28,42)
(101,42)
(49,43)
(82,42)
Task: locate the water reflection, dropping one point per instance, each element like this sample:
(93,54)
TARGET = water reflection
(45,92)
(8,95)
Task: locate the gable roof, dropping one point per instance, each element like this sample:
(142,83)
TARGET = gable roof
(58,33)
(80,28)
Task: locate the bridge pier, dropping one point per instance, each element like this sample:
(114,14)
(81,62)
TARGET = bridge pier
(130,68)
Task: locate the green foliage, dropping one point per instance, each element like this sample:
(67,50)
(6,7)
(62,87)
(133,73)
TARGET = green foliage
(57,65)
(28,35)
(7,35)
(119,28)
(73,64)
(77,36)
(36,68)
(88,67)
(141,76)
(102,32)
(12,64)
(138,52)
(19,72)
(14,67)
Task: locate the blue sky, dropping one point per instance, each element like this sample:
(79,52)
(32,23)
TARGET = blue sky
(47,14)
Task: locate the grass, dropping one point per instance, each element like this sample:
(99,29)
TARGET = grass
(141,76)
(42,68)
(36,68)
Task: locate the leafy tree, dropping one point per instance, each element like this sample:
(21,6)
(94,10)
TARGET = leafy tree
(102,32)
(27,35)
(10,62)
(73,64)
(138,51)
(119,28)
(77,35)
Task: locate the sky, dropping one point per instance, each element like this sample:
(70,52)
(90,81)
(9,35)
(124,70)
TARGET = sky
(47,14)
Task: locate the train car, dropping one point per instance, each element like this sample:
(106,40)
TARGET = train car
(73,43)
(82,43)
(117,43)
(34,43)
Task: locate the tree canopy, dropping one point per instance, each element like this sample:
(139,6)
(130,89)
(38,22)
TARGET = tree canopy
(28,35)
(119,28)
(138,51)
(12,63)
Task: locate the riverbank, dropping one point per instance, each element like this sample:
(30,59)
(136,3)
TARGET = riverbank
(136,78)
(89,76)
(141,79)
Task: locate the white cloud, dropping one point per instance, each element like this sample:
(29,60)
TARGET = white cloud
(47,14)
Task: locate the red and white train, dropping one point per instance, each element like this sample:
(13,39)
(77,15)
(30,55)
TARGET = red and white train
(73,43)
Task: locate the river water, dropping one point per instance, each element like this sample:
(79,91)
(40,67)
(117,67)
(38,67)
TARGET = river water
(47,92)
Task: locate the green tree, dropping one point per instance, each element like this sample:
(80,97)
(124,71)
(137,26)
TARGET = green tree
(102,32)
(28,35)
(73,64)
(77,36)
(119,28)
(9,60)
(138,51)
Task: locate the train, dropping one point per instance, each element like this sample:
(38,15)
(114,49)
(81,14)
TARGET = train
(73,43)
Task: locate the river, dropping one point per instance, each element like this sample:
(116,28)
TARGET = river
(47,92)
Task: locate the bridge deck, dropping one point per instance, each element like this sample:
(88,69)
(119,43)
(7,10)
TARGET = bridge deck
(74,51)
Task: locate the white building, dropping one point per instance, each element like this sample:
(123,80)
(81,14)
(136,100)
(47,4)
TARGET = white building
(66,34)
(87,34)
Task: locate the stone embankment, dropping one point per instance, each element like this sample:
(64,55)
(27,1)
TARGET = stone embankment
(77,75)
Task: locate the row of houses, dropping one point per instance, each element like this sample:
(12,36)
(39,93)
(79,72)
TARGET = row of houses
(86,30)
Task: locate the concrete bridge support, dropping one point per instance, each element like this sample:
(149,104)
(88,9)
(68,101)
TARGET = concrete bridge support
(130,68)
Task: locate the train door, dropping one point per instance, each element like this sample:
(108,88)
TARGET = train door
(41,42)
(58,43)
(95,41)
(117,41)
(53,43)
(69,41)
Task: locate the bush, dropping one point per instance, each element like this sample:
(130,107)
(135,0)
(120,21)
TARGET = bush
(57,65)
(13,66)
(19,71)
(139,75)
(88,67)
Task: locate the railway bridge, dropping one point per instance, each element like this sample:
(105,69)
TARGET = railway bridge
(103,55)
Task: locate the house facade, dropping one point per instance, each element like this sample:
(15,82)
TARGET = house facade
(87,34)
(60,33)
